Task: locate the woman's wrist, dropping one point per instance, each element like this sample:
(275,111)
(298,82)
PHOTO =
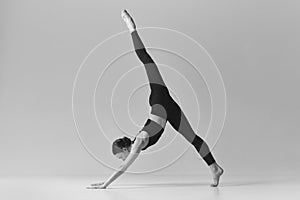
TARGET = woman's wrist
(105,184)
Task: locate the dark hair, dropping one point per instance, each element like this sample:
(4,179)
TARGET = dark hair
(119,144)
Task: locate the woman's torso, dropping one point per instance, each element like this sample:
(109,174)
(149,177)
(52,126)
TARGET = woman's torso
(152,130)
(156,122)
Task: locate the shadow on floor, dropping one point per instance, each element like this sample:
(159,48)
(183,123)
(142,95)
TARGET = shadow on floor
(246,183)
(190,184)
(159,185)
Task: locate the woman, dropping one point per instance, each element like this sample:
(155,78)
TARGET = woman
(163,109)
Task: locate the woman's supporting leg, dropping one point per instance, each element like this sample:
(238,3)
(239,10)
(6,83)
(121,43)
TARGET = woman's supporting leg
(180,123)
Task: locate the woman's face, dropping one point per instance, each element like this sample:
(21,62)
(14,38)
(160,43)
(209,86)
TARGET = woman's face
(122,155)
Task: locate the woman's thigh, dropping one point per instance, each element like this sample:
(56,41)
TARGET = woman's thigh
(179,121)
(165,106)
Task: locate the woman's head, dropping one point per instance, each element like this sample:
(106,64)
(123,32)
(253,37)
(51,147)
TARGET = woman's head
(121,147)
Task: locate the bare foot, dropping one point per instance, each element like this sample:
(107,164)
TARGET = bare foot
(217,171)
(128,20)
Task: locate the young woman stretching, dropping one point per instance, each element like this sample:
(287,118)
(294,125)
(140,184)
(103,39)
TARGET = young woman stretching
(163,109)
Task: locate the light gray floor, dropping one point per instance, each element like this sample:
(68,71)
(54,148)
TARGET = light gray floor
(150,187)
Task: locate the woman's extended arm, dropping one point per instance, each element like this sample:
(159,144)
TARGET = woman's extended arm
(134,152)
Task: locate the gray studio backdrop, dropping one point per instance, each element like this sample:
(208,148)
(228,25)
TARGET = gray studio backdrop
(254,43)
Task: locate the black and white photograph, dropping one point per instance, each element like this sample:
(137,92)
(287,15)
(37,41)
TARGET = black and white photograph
(149,100)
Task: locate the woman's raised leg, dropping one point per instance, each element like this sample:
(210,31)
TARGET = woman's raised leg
(152,71)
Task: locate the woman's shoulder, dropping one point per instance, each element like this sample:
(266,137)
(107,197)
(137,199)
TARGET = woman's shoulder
(142,137)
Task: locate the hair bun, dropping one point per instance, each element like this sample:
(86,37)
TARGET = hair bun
(121,143)
(126,141)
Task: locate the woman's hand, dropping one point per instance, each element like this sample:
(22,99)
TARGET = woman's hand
(97,186)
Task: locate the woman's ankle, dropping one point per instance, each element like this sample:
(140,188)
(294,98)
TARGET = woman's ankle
(214,167)
(128,20)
